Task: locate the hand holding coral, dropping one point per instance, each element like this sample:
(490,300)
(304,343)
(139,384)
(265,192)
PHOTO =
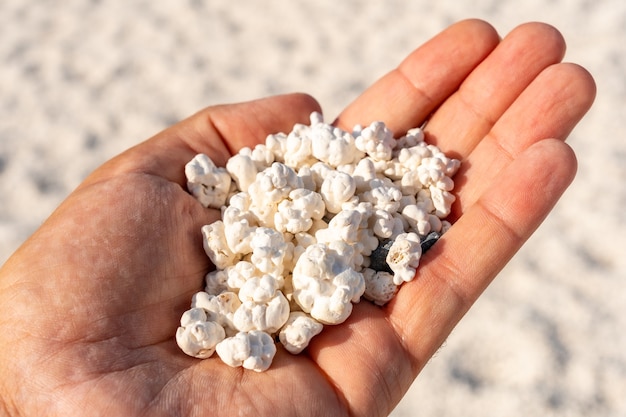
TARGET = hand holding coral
(89,304)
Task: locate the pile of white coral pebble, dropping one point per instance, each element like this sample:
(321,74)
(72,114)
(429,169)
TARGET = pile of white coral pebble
(301,216)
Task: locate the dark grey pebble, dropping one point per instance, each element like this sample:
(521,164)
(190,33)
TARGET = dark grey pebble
(428,241)
(379,255)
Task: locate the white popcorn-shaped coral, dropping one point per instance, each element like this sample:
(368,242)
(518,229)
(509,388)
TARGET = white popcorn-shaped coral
(253,350)
(344,226)
(215,245)
(237,275)
(197,336)
(337,188)
(262,156)
(218,308)
(216,282)
(418,218)
(404,257)
(363,173)
(325,285)
(299,148)
(296,213)
(413,137)
(268,250)
(442,201)
(276,182)
(376,141)
(241,225)
(312,221)
(349,253)
(277,144)
(208,183)
(242,169)
(384,223)
(332,145)
(270,187)
(379,286)
(259,289)
(383,195)
(298,332)
(263,306)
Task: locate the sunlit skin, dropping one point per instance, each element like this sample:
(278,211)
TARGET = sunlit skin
(89,304)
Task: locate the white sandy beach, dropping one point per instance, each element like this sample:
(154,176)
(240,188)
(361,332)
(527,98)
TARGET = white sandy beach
(81,81)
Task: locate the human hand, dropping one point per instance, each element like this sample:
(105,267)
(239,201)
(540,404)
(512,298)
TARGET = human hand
(89,305)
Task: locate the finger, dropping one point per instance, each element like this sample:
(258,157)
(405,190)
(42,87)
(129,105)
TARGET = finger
(466,259)
(466,117)
(549,108)
(407,95)
(217,131)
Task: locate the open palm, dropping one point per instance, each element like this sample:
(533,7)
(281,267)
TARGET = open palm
(90,303)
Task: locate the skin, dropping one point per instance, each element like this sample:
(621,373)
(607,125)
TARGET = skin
(90,303)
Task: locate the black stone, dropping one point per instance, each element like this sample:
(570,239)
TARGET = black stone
(428,241)
(379,255)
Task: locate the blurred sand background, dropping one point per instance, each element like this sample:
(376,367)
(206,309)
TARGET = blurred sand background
(80,81)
